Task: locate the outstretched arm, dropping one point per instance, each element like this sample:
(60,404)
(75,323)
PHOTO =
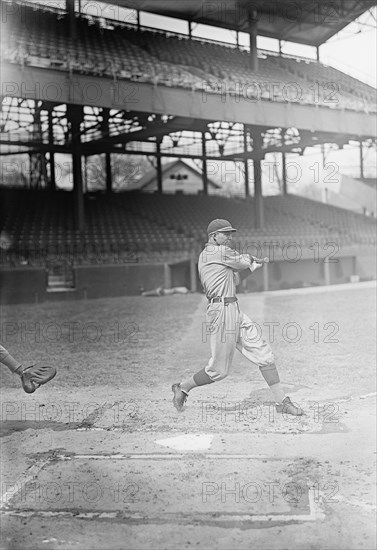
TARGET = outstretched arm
(231,258)
(7,359)
(32,377)
(242,275)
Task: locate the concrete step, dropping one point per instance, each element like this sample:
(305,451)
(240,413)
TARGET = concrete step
(60,288)
(60,295)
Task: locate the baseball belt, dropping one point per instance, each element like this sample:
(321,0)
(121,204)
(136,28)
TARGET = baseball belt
(226,300)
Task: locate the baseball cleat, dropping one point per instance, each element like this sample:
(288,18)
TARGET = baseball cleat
(179,398)
(32,377)
(287,407)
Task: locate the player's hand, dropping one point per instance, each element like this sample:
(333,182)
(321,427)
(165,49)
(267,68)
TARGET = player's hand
(254,265)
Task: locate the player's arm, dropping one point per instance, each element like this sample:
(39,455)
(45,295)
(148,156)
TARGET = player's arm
(231,258)
(247,272)
(4,356)
(32,377)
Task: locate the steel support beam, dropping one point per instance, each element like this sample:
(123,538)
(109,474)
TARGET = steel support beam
(75,114)
(109,173)
(246,161)
(159,167)
(70,9)
(204,154)
(38,170)
(253,31)
(284,173)
(51,152)
(258,194)
(105,132)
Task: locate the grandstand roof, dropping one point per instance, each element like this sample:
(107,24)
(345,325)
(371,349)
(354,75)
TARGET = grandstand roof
(302,21)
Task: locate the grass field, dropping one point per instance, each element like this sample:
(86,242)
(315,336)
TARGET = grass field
(106,426)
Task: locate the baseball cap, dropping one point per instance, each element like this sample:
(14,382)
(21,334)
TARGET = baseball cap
(219,225)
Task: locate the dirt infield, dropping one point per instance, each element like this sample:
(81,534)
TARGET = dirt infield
(99,458)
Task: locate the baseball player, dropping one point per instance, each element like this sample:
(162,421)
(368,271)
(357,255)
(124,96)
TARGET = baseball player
(31,377)
(220,269)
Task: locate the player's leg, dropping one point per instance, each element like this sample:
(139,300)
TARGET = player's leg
(257,350)
(31,377)
(222,327)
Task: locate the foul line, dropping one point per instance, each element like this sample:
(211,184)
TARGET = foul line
(169,456)
(316,513)
(24,478)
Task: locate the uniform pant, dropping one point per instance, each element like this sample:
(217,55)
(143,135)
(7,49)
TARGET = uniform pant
(229,329)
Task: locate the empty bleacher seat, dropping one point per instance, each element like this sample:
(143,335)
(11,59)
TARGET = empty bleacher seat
(39,37)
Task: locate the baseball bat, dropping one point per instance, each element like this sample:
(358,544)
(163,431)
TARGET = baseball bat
(261,260)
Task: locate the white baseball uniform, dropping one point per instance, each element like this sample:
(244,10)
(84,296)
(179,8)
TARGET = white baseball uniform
(228,327)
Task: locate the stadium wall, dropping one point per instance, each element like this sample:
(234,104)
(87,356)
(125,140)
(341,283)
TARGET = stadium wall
(366,266)
(29,284)
(118,280)
(22,285)
(180,274)
(306,273)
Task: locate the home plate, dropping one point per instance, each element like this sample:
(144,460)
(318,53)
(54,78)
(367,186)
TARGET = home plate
(188,442)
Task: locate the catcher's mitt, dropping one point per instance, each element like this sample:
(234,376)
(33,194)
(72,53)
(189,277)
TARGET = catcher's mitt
(32,377)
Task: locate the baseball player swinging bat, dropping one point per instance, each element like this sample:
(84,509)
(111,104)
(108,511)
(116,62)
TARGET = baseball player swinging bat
(261,260)
(221,269)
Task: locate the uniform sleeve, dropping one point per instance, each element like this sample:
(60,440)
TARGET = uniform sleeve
(3,353)
(233,259)
(7,359)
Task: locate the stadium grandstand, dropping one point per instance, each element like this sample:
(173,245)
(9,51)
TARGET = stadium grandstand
(82,85)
